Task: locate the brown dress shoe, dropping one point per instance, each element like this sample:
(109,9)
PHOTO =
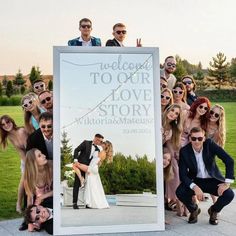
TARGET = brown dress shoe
(193,216)
(213,217)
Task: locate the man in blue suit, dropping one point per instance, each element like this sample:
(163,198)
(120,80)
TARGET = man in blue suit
(199,174)
(85,27)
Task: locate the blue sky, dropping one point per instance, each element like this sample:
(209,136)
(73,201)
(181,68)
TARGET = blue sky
(194,29)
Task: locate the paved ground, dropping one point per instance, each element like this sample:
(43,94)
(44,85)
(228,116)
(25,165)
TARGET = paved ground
(177,225)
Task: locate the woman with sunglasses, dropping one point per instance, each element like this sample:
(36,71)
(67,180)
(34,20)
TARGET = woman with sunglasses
(196,117)
(18,138)
(94,196)
(38,177)
(166,99)
(179,95)
(216,125)
(171,137)
(32,112)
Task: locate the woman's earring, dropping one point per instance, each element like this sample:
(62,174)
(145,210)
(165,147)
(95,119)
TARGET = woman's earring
(176,121)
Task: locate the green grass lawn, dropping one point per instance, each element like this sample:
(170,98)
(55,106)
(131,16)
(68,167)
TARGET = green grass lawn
(10,161)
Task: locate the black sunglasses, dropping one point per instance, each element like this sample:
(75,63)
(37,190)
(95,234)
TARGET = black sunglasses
(39,86)
(197,138)
(202,107)
(215,114)
(171,65)
(46,99)
(37,217)
(179,92)
(27,104)
(44,126)
(86,26)
(121,31)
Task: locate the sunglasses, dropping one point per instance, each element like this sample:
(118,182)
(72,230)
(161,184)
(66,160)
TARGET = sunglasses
(187,82)
(47,99)
(202,107)
(25,105)
(46,126)
(166,97)
(39,86)
(121,31)
(86,26)
(197,138)
(177,92)
(6,123)
(215,114)
(171,65)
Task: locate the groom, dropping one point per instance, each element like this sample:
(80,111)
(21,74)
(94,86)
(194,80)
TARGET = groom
(84,154)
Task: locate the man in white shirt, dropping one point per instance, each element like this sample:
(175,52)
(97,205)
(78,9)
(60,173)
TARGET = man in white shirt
(199,174)
(168,70)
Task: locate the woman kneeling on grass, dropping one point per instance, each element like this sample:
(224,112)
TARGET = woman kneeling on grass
(18,137)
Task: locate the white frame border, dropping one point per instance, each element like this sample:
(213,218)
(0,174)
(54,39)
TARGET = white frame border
(160,225)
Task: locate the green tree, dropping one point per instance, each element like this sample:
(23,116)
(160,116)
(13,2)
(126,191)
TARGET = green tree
(180,70)
(35,74)
(50,85)
(22,89)
(219,68)
(199,77)
(66,153)
(19,79)
(232,71)
(1,90)
(9,89)
(4,81)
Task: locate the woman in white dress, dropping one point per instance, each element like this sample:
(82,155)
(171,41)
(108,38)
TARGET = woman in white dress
(94,196)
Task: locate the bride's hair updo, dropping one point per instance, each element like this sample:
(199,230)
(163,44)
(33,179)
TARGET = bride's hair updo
(109,151)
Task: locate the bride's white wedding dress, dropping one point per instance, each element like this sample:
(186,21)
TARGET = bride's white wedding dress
(94,195)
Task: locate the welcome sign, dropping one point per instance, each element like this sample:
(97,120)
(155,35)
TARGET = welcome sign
(114,92)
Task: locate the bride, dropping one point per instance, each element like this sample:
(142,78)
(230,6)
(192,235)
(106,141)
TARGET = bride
(94,196)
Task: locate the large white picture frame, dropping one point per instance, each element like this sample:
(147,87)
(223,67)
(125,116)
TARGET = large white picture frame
(116,92)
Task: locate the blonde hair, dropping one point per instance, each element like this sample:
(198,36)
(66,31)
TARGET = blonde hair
(171,101)
(109,151)
(176,125)
(27,114)
(221,126)
(31,173)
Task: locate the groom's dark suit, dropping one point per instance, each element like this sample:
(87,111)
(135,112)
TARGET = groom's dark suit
(188,174)
(82,153)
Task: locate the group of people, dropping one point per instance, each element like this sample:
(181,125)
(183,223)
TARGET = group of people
(34,143)
(85,39)
(193,133)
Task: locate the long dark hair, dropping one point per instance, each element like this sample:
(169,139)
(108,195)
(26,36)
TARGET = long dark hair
(3,133)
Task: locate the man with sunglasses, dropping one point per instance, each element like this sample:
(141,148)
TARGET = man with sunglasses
(190,86)
(42,138)
(86,40)
(119,33)
(46,100)
(41,215)
(168,70)
(199,174)
(39,86)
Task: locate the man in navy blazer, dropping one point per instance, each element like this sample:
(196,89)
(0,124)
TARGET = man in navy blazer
(199,174)
(85,27)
